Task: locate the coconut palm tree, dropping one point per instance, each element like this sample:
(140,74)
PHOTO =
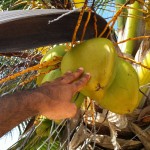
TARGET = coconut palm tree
(93,127)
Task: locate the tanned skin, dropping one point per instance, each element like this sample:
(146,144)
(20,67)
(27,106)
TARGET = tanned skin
(52,100)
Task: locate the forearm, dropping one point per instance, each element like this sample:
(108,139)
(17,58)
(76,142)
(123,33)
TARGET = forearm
(16,108)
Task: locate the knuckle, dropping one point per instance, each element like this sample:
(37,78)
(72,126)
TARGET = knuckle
(83,80)
(67,73)
(79,84)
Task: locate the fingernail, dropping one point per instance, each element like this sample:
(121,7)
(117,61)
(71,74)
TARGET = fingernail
(69,71)
(81,68)
(88,74)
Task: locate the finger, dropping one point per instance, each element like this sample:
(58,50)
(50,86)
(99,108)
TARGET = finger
(59,79)
(70,77)
(62,77)
(79,84)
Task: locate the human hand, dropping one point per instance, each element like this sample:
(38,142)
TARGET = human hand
(56,102)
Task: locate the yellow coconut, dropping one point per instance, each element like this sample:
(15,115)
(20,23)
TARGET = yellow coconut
(43,129)
(122,96)
(98,57)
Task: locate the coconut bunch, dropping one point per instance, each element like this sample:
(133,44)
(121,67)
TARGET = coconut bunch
(114,82)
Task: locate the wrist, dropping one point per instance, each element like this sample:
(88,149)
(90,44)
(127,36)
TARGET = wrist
(32,101)
(41,96)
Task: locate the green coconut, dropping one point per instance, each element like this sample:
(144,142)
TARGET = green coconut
(56,51)
(78,99)
(52,75)
(43,129)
